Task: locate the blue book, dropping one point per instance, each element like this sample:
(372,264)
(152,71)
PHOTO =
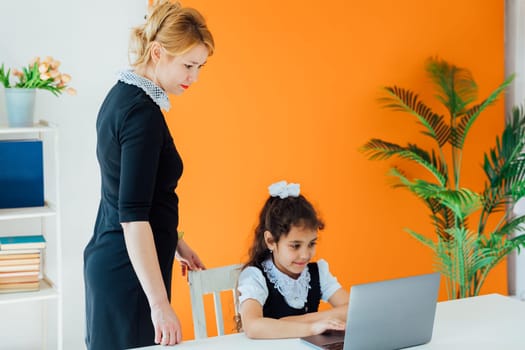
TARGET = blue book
(22,242)
(21,174)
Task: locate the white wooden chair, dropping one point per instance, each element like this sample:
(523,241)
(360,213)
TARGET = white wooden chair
(211,281)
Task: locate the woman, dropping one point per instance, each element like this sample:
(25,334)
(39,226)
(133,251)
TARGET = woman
(128,261)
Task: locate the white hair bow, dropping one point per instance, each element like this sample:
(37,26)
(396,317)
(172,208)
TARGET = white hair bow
(283,189)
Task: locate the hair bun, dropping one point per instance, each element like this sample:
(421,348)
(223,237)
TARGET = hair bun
(173,26)
(163,4)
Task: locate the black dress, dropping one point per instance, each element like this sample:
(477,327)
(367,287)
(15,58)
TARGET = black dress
(140,167)
(276,305)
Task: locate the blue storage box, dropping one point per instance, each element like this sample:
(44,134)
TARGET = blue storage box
(21,173)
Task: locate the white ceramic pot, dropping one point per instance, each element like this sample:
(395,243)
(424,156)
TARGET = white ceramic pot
(20,103)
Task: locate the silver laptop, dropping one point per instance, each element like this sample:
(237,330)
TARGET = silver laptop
(386,315)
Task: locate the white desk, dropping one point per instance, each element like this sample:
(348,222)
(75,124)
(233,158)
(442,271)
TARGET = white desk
(486,322)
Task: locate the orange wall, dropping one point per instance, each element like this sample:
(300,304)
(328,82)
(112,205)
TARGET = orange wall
(291,94)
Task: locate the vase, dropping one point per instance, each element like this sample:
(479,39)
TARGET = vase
(20,103)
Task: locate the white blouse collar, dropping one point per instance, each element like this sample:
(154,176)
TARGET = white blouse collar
(158,95)
(294,291)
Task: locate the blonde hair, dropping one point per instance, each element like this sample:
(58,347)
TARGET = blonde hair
(178,29)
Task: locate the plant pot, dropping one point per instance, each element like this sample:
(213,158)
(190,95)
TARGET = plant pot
(20,103)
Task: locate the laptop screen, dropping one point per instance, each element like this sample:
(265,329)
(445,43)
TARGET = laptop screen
(389,315)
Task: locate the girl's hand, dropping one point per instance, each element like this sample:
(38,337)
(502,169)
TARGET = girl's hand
(321,326)
(188,259)
(167,326)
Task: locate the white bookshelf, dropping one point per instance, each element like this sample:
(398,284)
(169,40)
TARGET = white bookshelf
(46,220)
(26,213)
(46,292)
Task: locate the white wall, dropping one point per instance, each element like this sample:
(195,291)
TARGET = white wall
(90,38)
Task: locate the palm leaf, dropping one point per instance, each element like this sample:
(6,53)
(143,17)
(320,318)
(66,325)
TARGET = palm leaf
(462,259)
(459,134)
(505,159)
(379,150)
(443,219)
(504,167)
(459,250)
(518,241)
(421,238)
(462,202)
(456,86)
(510,226)
(406,101)
(498,249)
(496,198)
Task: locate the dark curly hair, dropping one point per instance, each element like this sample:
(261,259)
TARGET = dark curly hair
(278,216)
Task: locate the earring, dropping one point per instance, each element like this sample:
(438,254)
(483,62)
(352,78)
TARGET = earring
(271,251)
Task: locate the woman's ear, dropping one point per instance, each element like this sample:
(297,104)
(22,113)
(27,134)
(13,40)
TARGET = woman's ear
(155,51)
(269,240)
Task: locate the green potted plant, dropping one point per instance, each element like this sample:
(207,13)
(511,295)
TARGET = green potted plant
(20,87)
(466,244)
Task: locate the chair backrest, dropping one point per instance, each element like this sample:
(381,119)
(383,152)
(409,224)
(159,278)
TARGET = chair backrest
(211,281)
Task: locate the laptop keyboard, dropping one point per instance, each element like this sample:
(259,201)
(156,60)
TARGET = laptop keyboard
(334,346)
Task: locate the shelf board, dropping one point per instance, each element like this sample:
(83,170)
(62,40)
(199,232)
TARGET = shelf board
(41,126)
(24,213)
(46,292)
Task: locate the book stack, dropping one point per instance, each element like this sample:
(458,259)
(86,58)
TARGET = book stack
(20,263)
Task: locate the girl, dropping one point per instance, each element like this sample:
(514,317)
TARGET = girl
(279,288)
(128,261)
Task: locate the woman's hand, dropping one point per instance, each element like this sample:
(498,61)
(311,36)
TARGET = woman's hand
(143,255)
(321,326)
(166,324)
(188,259)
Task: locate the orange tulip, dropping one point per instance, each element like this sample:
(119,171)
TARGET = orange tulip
(43,68)
(49,77)
(36,60)
(71,91)
(55,64)
(66,78)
